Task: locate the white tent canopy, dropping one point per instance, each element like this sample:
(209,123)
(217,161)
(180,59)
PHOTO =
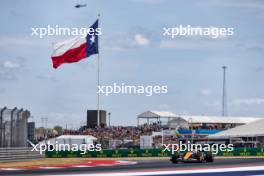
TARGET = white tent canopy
(252,129)
(77,137)
(196,119)
(71,139)
(156,114)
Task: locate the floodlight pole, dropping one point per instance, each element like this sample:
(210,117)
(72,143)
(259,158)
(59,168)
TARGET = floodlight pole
(224,106)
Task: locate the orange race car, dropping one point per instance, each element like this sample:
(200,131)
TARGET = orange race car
(192,156)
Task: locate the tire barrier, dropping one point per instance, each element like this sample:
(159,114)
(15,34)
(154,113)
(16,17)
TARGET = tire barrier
(243,152)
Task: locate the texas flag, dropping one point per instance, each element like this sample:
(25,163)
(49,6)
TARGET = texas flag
(75,49)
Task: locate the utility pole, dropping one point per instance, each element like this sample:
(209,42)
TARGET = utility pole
(46,121)
(42,122)
(224,103)
(46,128)
(44,125)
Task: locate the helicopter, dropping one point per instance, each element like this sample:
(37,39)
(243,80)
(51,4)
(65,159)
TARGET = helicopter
(80,5)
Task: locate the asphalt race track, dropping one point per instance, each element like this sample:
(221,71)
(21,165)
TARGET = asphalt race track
(149,165)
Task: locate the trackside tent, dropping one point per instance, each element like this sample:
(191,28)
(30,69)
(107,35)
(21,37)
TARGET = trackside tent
(252,129)
(183,120)
(157,115)
(71,139)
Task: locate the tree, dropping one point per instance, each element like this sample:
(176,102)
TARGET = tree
(58,129)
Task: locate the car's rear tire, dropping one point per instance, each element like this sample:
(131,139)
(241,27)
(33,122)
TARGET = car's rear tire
(174,161)
(200,157)
(209,158)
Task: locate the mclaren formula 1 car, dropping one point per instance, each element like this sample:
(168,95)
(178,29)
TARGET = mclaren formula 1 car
(192,156)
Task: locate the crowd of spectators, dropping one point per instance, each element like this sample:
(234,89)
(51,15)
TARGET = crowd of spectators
(122,133)
(117,132)
(132,134)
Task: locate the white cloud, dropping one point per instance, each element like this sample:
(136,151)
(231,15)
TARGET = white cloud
(124,41)
(10,69)
(254,4)
(64,118)
(248,101)
(46,77)
(206,92)
(149,1)
(141,40)
(207,44)
(10,65)
(7,41)
(164,106)
(191,44)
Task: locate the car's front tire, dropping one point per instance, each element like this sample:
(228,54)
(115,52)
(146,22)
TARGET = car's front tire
(174,158)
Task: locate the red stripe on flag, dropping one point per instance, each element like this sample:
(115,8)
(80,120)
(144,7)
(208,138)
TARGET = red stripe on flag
(70,56)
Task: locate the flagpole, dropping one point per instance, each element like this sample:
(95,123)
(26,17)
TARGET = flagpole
(98,81)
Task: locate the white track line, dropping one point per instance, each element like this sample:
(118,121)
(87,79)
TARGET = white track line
(10,169)
(175,172)
(106,164)
(127,162)
(50,167)
(82,166)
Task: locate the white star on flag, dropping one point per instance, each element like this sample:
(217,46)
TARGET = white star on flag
(92,39)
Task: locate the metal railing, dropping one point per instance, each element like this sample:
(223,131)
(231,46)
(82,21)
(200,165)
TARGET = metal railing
(18,154)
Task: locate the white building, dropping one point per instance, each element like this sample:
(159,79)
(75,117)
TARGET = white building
(71,139)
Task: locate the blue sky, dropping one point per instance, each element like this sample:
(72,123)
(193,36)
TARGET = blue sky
(190,66)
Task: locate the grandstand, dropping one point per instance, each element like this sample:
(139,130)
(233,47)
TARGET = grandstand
(163,127)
